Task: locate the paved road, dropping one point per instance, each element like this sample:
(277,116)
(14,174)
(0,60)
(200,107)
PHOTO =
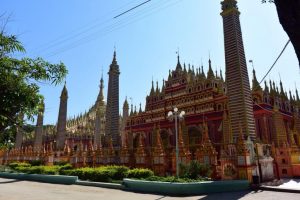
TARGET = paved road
(25,190)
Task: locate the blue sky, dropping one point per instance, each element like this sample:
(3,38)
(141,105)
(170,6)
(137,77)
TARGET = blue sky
(82,34)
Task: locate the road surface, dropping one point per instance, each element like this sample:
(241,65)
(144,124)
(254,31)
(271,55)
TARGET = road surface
(11,189)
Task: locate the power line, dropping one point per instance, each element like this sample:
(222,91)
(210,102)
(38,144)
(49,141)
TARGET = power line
(118,25)
(131,9)
(284,48)
(85,28)
(275,61)
(105,28)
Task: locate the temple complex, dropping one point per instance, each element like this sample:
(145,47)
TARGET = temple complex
(237,130)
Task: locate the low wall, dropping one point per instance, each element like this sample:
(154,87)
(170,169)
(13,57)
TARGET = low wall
(59,179)
(185,188)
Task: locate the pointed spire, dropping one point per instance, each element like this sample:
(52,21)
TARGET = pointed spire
(64,92)
(100,98)
(131,110)
(255,83)
(221,75)
(282,93)
(210,73)
(178,66)
(202,72)
(140,110)
(125,105)
(266,87)
(274,87)
(297,95)
(152,88)
(157,89)
(184,68)
(114,57)
(291,96)
(163,86)
(114,67)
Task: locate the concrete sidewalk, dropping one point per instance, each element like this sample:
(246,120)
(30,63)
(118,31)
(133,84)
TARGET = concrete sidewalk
(282,185)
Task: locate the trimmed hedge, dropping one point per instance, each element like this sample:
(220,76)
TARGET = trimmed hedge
(29,169)
(36,162)
(108,173)
(51,170)
(14,165)
(139,173)
(99,174)
(175,179)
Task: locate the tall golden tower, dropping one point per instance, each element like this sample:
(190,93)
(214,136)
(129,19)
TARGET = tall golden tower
(238,87)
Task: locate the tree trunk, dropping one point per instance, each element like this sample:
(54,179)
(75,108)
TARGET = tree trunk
(289,17)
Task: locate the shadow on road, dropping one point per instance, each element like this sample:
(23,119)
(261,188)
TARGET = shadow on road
(230,195)
(10,181)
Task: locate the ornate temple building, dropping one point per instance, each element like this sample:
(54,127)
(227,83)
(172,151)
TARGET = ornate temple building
(238,131)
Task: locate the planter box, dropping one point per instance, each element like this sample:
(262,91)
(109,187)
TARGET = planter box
(196,188)
(59,179)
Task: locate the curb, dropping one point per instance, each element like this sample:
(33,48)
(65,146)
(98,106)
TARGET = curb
(101,184)
(56,179)
(195,188)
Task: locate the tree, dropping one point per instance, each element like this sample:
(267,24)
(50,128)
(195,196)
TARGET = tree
(19,78)
(289,17)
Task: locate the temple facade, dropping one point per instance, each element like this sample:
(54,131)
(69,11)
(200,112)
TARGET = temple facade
(237,130)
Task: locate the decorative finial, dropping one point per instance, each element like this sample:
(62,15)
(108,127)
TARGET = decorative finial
(251,61)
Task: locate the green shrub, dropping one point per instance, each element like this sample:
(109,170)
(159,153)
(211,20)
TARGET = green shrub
(50,170)
(14,165)
(38,169)
(194,170)
(22,169)
(99,174)
(174,179)
(139,173)
(36,162)
(64,167)
(60,163)
(117,172)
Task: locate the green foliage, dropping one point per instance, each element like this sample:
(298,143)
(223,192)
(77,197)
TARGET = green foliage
(36,162)
(194,170)
(19,90)
(174,179)
(100,174)
(14,165)
(139,173)
(37,168)
(51,170)
(60,163)
(65,167)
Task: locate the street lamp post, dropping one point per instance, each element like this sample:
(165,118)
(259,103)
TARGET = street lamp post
(176,115)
